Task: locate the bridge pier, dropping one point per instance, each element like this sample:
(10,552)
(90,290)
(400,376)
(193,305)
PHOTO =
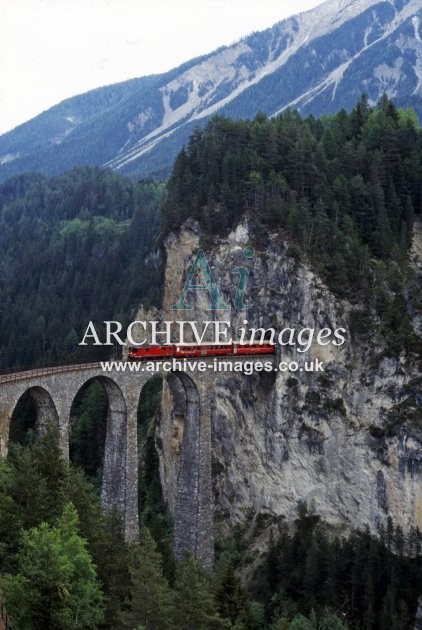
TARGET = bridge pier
(131,507)
(54,392)
(193,518)
(113,487)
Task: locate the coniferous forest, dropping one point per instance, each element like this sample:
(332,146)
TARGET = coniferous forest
(76,247)
(344,190)
(65,563)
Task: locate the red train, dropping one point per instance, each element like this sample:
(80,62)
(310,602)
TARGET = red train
(202,350)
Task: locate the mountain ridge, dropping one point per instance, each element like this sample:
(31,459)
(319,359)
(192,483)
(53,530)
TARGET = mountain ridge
(317,62)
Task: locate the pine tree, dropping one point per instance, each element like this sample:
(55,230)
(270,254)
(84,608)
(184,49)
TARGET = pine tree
(56,586)
(280,624)
(195,606)
(300,622)
(329,621)
(86,600)
(150,599)
(49,462)
(312,571)
(229,594)
(112,562)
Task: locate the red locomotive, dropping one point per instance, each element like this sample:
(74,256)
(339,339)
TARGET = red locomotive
(202,350)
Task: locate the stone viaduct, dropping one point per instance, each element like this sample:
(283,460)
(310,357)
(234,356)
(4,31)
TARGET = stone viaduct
(53,391)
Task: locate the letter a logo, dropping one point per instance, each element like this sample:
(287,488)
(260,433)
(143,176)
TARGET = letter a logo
(200,264)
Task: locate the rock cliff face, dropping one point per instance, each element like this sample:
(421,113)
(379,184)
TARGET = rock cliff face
(347,441)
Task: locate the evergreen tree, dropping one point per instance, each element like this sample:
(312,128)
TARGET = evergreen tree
(150,599)
(111,557)
(56,586)
(229,595)
(194,602)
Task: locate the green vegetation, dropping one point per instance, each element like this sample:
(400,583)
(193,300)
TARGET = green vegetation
(407,412)
(369,583)
(344,190)
(149,601)
(64,562)
(153,511)
(345,187)
(56,584)
(312,577)
(23,423)
(78,247)
(87,437)
(86,245)
(43,542)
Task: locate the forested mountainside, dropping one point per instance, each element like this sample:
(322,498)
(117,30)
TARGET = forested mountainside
(336,199)
(344,190)
(318,62)
(64,564)
(75,247)
(343,185)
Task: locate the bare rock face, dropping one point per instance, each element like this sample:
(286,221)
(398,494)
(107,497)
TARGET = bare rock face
(347,441)
(416,262)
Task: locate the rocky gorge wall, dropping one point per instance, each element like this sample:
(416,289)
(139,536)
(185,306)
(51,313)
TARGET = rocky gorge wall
(346,441)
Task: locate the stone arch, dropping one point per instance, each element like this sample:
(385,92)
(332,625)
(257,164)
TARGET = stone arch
(45,407)
(193,505)
(113,486)
(148,461)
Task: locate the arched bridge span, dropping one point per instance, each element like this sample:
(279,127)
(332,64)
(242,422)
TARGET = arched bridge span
(54,390)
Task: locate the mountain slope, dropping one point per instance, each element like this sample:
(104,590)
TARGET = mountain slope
(316,62)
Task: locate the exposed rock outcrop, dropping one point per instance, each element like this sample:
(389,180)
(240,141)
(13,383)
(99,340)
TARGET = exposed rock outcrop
(347,441)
